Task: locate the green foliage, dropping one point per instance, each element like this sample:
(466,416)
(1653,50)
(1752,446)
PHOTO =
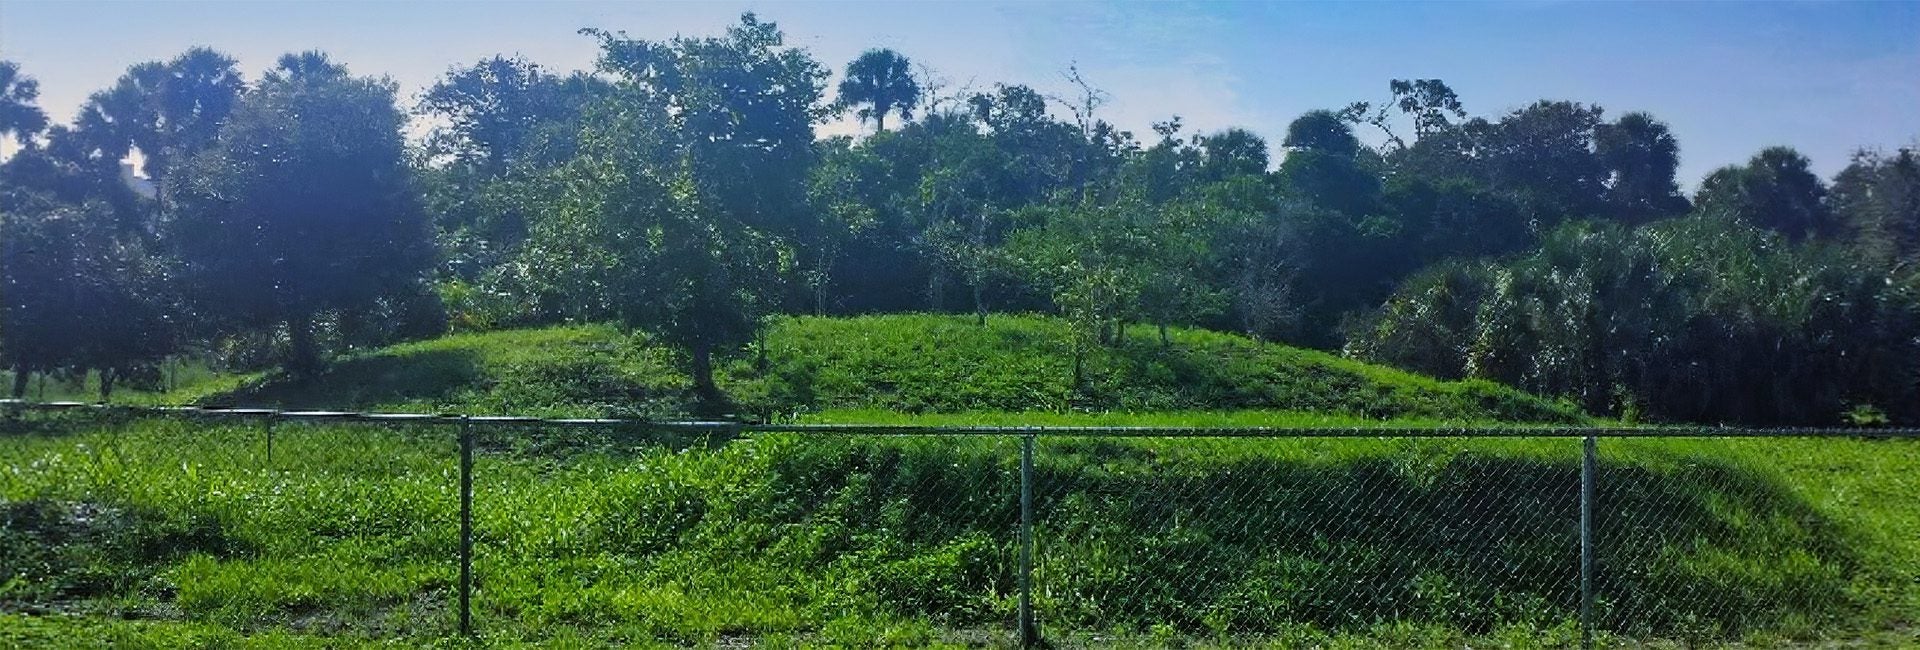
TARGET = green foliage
(304,206)
(18,116)
(1775,190)
(1642,156)
(168,111)
(682,192)
(681,212)
(1700,320)
(881,81)
(498,109)
(1324,132)
(1877,201)
(508,123)
(79,295)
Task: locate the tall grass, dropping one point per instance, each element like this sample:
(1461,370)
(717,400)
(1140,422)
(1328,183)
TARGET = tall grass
(348,533)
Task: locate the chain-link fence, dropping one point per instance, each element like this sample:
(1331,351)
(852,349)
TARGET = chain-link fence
(704,533)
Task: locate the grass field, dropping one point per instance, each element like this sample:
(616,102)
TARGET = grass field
(164,531)
(900,364)
(180,534)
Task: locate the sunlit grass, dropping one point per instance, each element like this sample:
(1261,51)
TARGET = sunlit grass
(881,366)
(347,535)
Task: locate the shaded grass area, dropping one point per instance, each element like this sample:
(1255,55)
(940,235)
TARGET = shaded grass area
(914,364)
(348,535)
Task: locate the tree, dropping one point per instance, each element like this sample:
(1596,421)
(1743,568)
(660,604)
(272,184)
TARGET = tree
(1777,189)
(169,111)
(1429,102)
(19,117)
(1230,153)
(1453,218)
(303,206)
(503,122)
(881,81)
(79,295)
(691,187)
(496,109)
(1699,319)
(1090,258)
(1327,166)
(1043,155)
(1544,154)
(1641,158)
(1321,131)
(1876,201)
(835,191)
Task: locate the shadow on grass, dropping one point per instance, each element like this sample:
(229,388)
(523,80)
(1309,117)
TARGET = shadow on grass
(1131,536)
(364,382)
(61,551)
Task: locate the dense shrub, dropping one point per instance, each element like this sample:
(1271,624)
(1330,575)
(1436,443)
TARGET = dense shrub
(1700,320)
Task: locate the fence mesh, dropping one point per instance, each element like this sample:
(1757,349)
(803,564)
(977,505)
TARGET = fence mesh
(630,533)
(1713,539)
(1251,538)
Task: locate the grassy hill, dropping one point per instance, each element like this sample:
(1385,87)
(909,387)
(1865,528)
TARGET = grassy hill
(887,367)
(179,533)
(186,534)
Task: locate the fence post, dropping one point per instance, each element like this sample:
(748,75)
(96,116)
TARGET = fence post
(466,525)
(1587,471)
(1029,633)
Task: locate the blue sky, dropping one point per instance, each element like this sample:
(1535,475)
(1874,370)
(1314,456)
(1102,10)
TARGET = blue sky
(1729,78)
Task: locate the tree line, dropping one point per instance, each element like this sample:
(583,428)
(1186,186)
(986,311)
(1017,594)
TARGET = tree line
(682,188)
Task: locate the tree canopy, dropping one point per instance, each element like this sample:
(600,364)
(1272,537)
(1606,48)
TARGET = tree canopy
(881,83)
(683,188)
(303,206)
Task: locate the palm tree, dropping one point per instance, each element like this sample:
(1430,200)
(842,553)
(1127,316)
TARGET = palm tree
(18,116)
(880,79)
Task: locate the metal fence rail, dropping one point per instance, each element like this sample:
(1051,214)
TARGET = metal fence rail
(1067,573)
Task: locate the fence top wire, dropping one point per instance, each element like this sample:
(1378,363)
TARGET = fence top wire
(738,427)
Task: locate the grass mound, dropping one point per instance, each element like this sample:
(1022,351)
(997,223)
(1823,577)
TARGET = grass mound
(909,364)
(348,534)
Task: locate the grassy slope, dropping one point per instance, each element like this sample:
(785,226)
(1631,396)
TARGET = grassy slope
(833,368)
(346,535)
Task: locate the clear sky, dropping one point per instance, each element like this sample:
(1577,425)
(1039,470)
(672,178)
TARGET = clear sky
(1824,77)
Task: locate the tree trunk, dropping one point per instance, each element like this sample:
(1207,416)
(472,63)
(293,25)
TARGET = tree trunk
(1163,336)
(979,305)
(760,342)
(1079,366)
(304,357)
(20,376)
(106,384)
(703,371)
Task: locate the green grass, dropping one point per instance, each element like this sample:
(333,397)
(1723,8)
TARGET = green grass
(182,534)
(902,364)
(192,537)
